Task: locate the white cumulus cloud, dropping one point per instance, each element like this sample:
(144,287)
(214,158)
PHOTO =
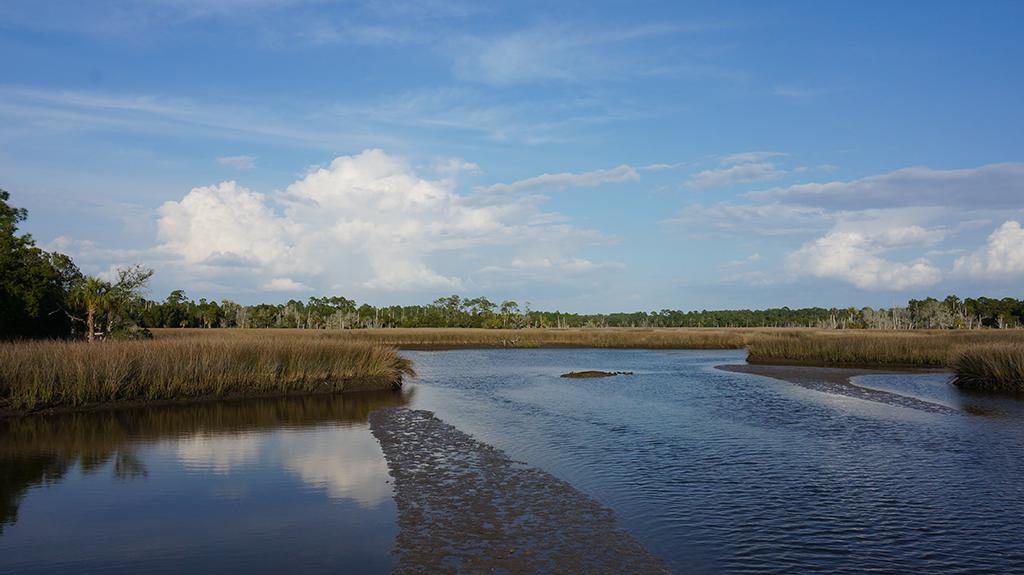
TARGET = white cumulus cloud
(285,284)
(1002,256)
(854,257)
(225,222)
(367,221)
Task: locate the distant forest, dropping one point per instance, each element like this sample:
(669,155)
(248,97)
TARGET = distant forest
(455,311)
(44,295)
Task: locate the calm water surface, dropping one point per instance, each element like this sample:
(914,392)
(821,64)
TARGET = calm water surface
(294,485)
(716,472)
(720,472)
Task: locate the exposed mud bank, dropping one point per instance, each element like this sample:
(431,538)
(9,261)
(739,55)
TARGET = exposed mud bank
(466,507)
(837,381)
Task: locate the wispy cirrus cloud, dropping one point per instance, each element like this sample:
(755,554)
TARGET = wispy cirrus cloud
(891,231)
(560,52)
(42,111)
(558,182)
(238,162)
(995,186)
(748,158)
(741,174)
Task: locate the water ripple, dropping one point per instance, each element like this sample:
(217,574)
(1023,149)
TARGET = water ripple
(729,473)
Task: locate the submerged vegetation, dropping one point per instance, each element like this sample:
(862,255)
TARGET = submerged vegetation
(48,374)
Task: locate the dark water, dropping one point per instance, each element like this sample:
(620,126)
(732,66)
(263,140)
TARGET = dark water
(720,472)
(293,485)
(716,472)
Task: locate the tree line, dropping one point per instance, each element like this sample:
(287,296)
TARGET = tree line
(455,311)
(44,295)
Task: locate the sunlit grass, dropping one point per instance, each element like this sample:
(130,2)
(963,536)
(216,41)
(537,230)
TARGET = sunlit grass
(43,374)
(924,348)
(449,338)
(992,366)
(188,363)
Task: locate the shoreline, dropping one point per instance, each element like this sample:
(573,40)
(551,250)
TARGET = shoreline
(370,384)
(810,374)
(838,381)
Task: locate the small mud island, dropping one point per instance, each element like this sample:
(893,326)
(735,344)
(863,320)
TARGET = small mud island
(585,374)
(466,507)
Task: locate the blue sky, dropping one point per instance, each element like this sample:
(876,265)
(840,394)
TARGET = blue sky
(583,156)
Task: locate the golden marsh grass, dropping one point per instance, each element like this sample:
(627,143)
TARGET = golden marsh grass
(44,374)
(992,366)
(917,348)
(454,338)
(191,363)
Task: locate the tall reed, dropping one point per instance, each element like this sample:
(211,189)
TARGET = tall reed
(992,366)
(44,374)
(437,338)
(862,347)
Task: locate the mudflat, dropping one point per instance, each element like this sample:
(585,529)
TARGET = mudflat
(466,507)
(837,380)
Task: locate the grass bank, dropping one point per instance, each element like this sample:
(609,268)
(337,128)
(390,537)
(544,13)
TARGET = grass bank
(918,348)
(193,363)
(982,359)
(788,346)
(456,338)
(995,366)
(53,374)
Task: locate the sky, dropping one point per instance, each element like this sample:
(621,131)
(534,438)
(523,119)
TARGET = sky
(587,157)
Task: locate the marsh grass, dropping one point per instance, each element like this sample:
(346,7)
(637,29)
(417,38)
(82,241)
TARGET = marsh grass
(919,348)
(990,366)
(45,374)
(188,363)
(453,338)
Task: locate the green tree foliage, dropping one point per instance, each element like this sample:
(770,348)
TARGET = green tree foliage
(456,311)
(113,304)
(94,295)
(34,285)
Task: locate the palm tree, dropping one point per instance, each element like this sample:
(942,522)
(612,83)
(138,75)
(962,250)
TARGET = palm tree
(95,295)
